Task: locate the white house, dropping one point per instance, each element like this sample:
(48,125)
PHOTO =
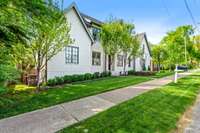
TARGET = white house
(143,62)
(86,54)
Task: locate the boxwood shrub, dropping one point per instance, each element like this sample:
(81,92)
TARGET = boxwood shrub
(76,77)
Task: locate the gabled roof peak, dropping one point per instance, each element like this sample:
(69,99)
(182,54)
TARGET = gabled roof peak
(74,6)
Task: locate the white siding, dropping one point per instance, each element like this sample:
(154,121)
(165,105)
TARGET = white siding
(57,66)
(118,69)
(97,47)
(146,56)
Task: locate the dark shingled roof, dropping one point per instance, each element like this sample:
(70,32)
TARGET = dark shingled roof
(91,20)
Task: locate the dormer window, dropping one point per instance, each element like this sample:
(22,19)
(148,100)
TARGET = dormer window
(95,33)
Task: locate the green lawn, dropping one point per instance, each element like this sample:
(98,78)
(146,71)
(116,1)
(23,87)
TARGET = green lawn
(21,102)
(163,74)
(156,111)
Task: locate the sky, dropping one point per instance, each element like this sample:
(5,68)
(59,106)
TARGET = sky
(155,17)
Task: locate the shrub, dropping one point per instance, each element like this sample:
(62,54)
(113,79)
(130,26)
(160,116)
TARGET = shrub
(67,79)
(51,82)
(109,73)
(105,74)
(144,73)
(88,76)
(81,77)
(59,80)
(96,75)
(76,77)
(131,72)
(9,74)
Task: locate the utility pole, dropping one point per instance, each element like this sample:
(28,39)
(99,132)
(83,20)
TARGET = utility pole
(176,74)
(185,41)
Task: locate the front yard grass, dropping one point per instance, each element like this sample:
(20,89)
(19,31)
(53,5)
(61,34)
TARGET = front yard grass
(24,101)
(156,111)
(163,74)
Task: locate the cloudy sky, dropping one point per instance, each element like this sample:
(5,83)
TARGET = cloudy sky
(155,17)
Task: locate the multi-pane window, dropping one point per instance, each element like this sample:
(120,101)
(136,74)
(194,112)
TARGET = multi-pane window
(95,33)
(96,58)
(120,60)
(72,55)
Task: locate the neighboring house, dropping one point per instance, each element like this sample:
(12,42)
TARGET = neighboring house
(144,61)
(86,54)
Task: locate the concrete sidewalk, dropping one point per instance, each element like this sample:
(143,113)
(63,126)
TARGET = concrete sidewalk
(194,121)
(52,119)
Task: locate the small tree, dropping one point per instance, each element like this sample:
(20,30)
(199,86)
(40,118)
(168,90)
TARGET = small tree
(159,55)
(135,49)
(129,44)
(109,36)
(116,36)
(52,35)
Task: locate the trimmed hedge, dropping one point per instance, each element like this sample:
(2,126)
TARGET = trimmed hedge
(76,77)
(142,73)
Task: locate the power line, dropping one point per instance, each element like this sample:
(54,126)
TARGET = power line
(191,15)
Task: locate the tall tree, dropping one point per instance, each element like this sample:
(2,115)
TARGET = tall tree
(109,36)
(13,23)
(127,43)
(195,49)
(117,36)
(52,35)
(176,41)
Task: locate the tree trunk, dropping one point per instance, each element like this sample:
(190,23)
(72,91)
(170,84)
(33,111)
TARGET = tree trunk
(38,71)
(45,77)
(105,62)
(159,64)
(109,62)
(133,63)
(125,57)
(20,67)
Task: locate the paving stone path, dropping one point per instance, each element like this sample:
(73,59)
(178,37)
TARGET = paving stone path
(52,119)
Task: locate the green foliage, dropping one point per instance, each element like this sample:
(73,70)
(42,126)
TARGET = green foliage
(31,28)
(105,74)
(76,78)
(14,22)
(159,55)
(109,34)
(96,75)
(59,80)
(88,76)
(131,72)
(171,50)
(175,44)
(117,36)
(9,73)
(195,50)
(67,79)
